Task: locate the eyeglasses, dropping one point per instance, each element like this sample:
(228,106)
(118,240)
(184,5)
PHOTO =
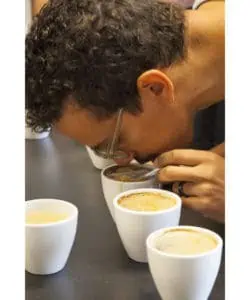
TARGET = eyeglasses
(110,150)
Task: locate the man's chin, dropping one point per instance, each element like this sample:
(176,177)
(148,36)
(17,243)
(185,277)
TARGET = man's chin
(143,160)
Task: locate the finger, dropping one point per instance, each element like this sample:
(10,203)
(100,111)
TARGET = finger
(194,189)
(200,204)
(186,187)
(175,187)
(187,157)
(174,173)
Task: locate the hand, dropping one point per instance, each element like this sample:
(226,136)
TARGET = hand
(204,175)
(219,149)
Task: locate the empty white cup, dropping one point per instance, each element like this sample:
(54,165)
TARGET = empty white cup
(111,188)
(32,135)
(98,162)
(135,226)
(189,277)
(48,245)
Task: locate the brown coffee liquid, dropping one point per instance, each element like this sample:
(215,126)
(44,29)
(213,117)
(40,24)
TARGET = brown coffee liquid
(185,242)
(113,173)
(147,202)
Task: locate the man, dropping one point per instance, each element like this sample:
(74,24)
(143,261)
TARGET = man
(128,78)
(37,5)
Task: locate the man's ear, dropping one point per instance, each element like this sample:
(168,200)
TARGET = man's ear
(156,83)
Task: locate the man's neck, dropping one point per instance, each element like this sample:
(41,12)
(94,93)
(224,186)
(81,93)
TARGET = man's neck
(199,79)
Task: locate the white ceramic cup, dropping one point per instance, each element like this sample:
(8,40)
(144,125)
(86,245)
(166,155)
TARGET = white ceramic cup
(135,226)
(189,277)
(99,162)
(32,135)
(111,188)
(48,245)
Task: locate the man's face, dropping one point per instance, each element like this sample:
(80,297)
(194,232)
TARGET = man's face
(161,126)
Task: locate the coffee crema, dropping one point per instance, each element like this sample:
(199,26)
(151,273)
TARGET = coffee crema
(147,201)
(44,217)
(114,173)
(185,242)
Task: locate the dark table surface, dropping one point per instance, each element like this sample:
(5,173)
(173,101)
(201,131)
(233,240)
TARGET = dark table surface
(98,267)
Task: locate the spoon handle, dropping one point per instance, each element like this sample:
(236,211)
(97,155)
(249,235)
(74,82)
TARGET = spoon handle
(152,173)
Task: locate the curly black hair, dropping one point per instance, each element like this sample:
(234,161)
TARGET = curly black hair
(93,51)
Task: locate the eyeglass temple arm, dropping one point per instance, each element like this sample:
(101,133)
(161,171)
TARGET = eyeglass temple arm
(110,150)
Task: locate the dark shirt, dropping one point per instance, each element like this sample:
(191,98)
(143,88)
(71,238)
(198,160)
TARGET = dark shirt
(209,130)
(209,127)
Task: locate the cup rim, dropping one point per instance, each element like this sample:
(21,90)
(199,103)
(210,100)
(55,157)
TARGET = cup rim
(154,235)
(125,182)
(91,152)
(145,190)
(57,223)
